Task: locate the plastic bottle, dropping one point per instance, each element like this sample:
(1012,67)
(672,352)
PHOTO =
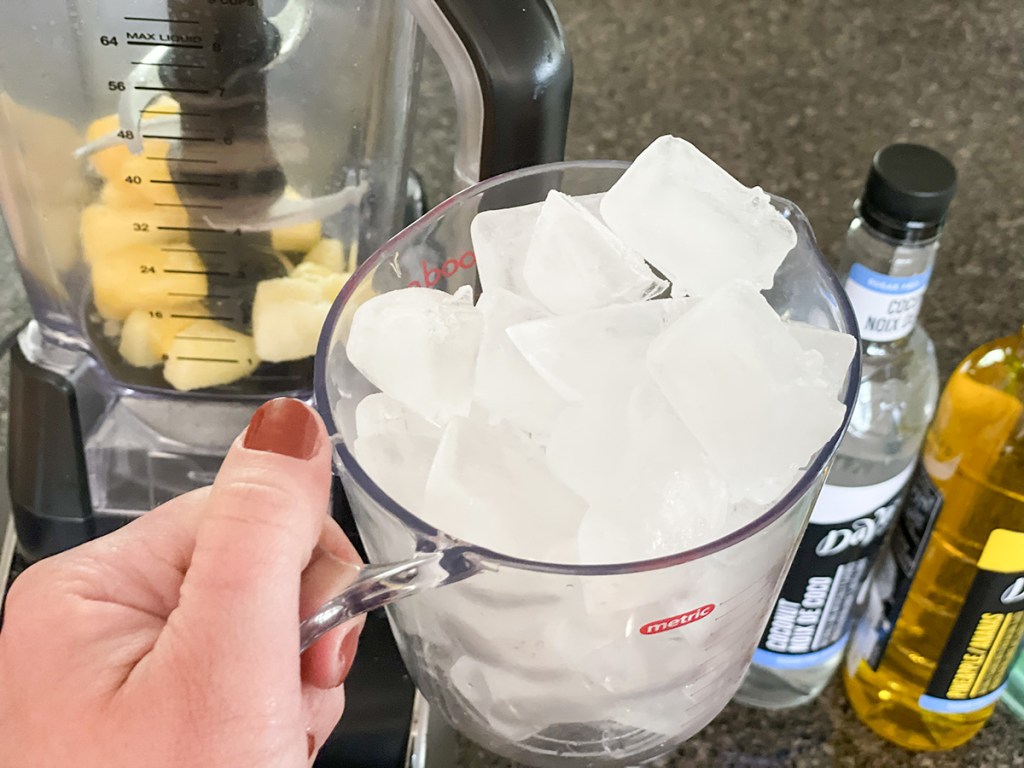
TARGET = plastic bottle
(945,612)
(886,262)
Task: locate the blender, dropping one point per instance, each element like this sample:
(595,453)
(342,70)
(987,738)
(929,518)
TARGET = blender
(187,185)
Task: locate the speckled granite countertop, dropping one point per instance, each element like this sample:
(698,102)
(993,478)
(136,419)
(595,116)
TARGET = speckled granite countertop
(796,95)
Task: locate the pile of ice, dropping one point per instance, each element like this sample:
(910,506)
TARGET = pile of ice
(585,409)
(620,390)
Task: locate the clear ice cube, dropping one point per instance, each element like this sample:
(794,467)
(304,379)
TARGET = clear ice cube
(515,707)
(379,414)
(491,486)
(396,447)
(588,354)
(586,442)
(633,460)
(575,263)
(507,386)
(695,223)
(398,463)
(837,350)
(738,380)
(592,203)
(419,346)
(501,239)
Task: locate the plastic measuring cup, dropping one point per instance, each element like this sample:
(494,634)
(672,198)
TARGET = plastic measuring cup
(545,663)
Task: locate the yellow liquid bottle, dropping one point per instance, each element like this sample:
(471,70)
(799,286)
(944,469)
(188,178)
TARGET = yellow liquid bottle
(944,614)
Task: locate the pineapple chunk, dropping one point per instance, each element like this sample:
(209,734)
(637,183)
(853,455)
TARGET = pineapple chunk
(108,162)
(329,253)
(107,230)
(146,336)
(361,293)
(209,354)
(298,238)
(146,277)
(43,147)
(330,282)
(289,312)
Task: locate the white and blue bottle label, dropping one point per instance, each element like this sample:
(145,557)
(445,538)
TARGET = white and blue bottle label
(811,620)
(886,306)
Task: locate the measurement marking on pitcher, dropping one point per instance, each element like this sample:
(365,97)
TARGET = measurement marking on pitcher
(164,45)
(162,21)
(175,138)
(163,64)
(162,89)
(208,272)
(186,183)
(205,252)
(208,360)
(174,114)
(196,206)
(194,229)
(199,296)
(221,318)
(183,160)
(211,339)
(195,130)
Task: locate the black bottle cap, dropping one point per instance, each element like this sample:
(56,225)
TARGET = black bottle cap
(908,191)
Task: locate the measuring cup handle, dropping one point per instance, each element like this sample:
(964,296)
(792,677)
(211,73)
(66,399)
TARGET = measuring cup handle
(378,586)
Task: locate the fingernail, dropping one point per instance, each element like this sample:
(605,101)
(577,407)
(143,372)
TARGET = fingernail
(283,426)
(347,655)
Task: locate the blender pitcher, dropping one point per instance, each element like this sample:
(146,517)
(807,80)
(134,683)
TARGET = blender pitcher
(189,183)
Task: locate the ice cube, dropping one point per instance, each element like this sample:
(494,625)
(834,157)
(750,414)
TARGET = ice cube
(507,386)
(601,351)
(463,295)
(419,346)
(515,707)
(643,680)
(656,493)
(398,463)
(379,414)
(592,203)
(490,485)
(492,615)
(837,350)
(695,223)
(586,443)
(500,240)
(737,378)
(396,448)
(575,263)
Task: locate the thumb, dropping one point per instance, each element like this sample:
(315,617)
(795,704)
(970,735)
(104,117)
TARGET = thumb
(263,518)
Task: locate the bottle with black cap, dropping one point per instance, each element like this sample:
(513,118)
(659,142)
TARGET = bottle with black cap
(886,262)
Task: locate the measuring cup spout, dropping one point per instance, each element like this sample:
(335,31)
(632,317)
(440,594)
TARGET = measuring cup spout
(379,585)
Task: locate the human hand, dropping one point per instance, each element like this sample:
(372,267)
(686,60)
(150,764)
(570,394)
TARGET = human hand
(174,641)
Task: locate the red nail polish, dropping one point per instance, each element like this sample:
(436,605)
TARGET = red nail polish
(283,426)
(347,654)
